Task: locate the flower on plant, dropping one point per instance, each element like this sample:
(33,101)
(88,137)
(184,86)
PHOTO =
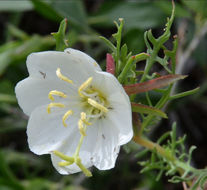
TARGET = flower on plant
(77,113)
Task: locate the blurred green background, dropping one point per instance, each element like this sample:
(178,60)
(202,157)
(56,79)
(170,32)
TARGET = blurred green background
(26,26)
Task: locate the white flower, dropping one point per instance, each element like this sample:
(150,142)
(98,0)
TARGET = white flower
(78,114)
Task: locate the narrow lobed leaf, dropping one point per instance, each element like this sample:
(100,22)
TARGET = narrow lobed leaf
(59,36)
(152,84)
(136,107)
(108,43)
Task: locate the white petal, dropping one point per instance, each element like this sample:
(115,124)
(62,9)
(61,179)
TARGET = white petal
(121,118)
(86,151)
(82,57)
(75,65)
(107,145)
(33,92)
(46,132)
(120,115)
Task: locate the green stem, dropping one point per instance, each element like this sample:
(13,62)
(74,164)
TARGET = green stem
(159,105)
(127,67)
(149,64)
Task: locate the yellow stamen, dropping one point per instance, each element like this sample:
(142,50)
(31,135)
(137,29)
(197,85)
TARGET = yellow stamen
(81,128)
(83,118)
(64,163)
(62,77)
(57,93)
(97,105)
(63,156)
(54,105)
(84,86)
(66,115)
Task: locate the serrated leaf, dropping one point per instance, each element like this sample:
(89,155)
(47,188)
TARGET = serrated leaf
(59,36)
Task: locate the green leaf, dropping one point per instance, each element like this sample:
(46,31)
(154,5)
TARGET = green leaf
(139,15)
(197,6)
(46,10)
(15,6)
(7,98)
(166,6)
(73,10)
(132,61)
(183,94)
(13,52)
(108,43)
(7,174)
(140,108)
(59,36)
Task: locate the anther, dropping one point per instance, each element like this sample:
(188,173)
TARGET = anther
(81,128)
(85,85)
(97,105)
(66,115)
(83,118)
(54,105)
(57,93)
(62,77)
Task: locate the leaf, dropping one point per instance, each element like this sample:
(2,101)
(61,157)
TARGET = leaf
(110,66)
(7,98)
(140,108)
(59,36)
(197,6)
(128,67)
(73,10)
(15,6)
(152,84)
(13,52)
(108,43)
(183,94)
(139,15)
(166,6)
(46,10)
(7,174)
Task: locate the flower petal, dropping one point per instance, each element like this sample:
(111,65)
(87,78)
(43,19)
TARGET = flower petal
(120,113)
(86,151)
(107,145)
(33,92)
(83,58)
(46,132)
(120,117)
(71,62)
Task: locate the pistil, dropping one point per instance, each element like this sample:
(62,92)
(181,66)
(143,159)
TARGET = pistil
(97,105)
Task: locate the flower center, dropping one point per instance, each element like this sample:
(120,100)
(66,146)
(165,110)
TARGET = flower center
(94,105)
